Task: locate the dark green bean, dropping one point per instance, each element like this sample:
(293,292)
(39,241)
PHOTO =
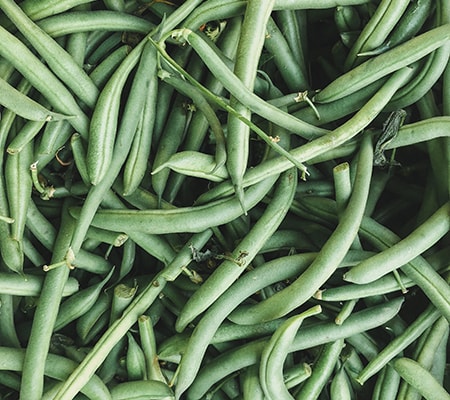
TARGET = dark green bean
(293,76)
(136,165)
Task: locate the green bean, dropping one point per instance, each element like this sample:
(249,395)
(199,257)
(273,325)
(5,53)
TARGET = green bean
(113,238)
(438,333)
(377,29)
(103,71)
(340,386)
(274,354)
(45,315)
(244,287)
(95,55)
(24,136)
(321,371)
(83,21)
(185,219)
(293,76)
(79,303)
(395,346)
(79,157)
(37,10)
(135,360)
(292,32)
(55,367)
(53,137)
(30,285)
(136,165)
(347,19)
(148,343)
(119,328)
(250,384)
(169,142)
(405,250)
(140,390)
(387,384)
(248,247)
(8,332)
(105,120)
(419,378)
(329,257)
(61,63)
(122,297)
(193,163)
(24,106)
(384,64)
(420,131)
(243,95)
(18,190)
(86,322)
(335,138)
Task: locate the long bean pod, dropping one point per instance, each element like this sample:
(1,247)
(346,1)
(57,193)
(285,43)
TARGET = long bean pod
(328,258)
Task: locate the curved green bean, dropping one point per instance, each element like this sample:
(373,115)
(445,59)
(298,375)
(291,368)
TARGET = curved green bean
(419,378)
(384,64)
(422,238)
(247,249)
(309,336)
(59,61)
(399,343)
(330,255)
(185,219)
(274,354)
(312,149)
(42,79)
(24,106)
(55,367)
(85,21)
(119,328)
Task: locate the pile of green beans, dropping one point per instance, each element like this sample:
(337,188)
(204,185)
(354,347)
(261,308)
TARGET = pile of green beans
(224,199)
